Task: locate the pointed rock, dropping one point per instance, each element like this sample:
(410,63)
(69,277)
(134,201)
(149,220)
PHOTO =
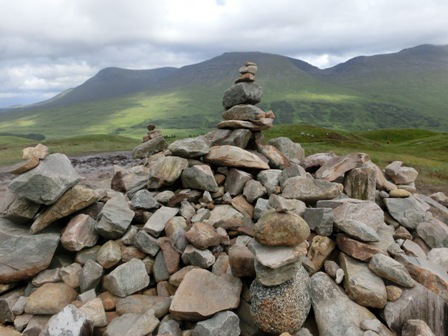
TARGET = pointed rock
(337,166)
(127,278)
(235,181)
(361,284)
(115,217)
(165,171)
(291,150)
(199,177)
(157,222)
(79,233)
(390,269)
(70,321)
(24,166)
(48,181)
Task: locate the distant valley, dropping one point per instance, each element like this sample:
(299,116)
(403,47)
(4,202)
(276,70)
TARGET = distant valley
(407,89)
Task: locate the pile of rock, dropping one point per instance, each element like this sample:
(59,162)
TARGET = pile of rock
(224,234)
(152,132)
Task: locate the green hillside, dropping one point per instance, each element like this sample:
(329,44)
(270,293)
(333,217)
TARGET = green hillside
(408,89)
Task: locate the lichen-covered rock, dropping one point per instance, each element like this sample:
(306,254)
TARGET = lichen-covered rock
(282,308)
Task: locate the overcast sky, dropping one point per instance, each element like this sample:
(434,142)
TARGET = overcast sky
(47,46)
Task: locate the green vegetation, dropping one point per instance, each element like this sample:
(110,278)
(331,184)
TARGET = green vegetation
(11,147)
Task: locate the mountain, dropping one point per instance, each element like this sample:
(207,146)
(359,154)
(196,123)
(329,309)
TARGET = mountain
(404,89)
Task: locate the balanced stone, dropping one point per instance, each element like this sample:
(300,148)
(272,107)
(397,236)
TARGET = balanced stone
(73,200)
(275,228)
(281,308)
(242,93)
(149,148)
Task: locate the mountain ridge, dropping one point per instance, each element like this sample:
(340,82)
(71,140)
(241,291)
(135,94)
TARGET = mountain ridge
(404,89)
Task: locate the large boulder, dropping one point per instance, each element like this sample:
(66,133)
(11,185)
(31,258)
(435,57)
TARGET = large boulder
(48,181)
(242,93)
(23,255)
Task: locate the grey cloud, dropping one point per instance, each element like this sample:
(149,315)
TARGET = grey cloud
(50,45)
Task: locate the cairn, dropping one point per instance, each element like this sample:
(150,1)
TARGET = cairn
(223,234)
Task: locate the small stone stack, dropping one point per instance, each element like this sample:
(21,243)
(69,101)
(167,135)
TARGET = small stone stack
(279,294)
(152,133)
(239,103)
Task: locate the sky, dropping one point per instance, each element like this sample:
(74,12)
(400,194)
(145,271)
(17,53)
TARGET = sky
(48,46)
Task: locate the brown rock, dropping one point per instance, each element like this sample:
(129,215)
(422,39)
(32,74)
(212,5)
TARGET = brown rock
(337,166)
(79,233)
(241,261)
(24,166)
(233,156)
(202,294)
(171,257)
(74,199)
(50,299)
(276,159)
(242,205)
(138,304)
(356,249)
(177,277)
(39,151)
(416,327)
(203,236)
(109,254)
(320,249)
(261,124)
(393,293)
(281,228)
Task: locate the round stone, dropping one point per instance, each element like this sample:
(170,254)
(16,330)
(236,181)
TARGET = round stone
(282,308)
(281,228)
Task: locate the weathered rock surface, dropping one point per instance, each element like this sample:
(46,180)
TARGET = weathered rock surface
(115,217)
(189,147)
(127,279)
(276,228)
(233,156)
(281,308)
(310,190)
(49,299)
(198,298)
(335,313)
(23,255)
(70,321)
(48,181)
(149,148)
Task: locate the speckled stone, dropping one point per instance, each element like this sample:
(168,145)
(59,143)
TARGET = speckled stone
(282,308)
